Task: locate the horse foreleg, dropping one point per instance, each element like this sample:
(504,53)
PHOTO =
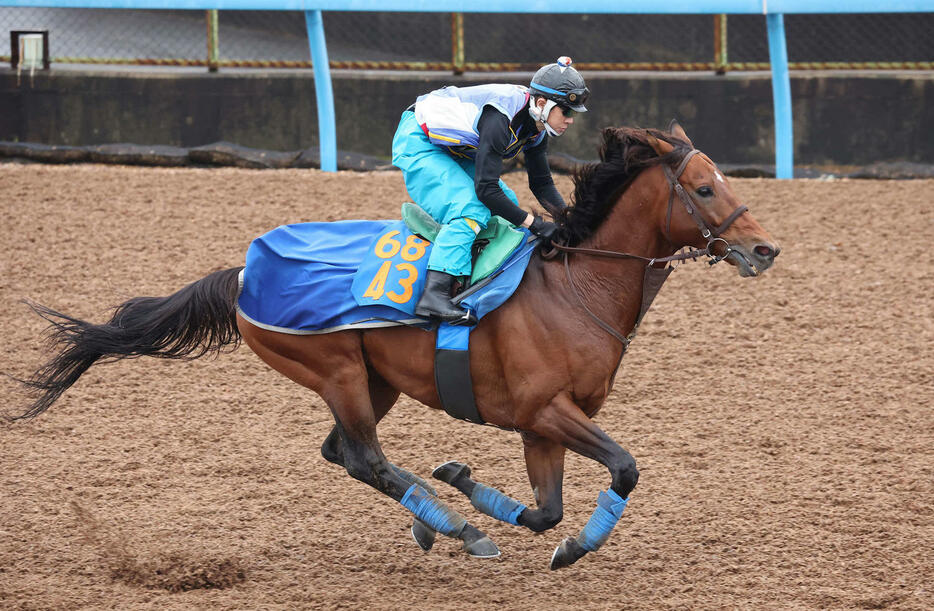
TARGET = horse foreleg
(563,422)
(544,461)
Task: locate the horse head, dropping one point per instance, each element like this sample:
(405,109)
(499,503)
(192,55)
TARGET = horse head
(703,211)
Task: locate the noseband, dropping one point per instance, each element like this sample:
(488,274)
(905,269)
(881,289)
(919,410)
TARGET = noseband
(711,234)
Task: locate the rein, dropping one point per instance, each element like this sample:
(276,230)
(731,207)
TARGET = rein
(711,234)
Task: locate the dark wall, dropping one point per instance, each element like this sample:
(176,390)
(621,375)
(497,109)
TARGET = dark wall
(844,119)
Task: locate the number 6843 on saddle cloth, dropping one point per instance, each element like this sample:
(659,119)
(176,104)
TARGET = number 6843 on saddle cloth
(393,270)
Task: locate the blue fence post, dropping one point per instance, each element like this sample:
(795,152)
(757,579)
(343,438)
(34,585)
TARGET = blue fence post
(327,130)
(781,97)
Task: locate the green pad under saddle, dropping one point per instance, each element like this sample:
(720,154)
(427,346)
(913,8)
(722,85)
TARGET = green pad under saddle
(502,236)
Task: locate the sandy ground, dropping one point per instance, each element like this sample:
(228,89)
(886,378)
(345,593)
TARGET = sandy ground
(782,425)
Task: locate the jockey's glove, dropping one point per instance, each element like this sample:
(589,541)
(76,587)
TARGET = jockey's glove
(546,230)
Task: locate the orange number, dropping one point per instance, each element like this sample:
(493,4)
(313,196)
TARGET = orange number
(414,248)
(406,283)
(387,240)
(376,288)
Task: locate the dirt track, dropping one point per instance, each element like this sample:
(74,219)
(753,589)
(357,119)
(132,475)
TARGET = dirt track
(782,425)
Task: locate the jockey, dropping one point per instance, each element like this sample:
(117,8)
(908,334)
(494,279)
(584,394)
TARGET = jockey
(450,146)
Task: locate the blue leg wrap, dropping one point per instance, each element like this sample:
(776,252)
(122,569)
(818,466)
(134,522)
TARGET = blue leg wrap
(411,478)
(609,509)
(433,512)
(494,503)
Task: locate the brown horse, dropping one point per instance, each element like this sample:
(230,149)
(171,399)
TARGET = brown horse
(542,364)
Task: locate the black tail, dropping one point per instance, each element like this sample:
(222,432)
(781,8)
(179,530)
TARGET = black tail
(196,320)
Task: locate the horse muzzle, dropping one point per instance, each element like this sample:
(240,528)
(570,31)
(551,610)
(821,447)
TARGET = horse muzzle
(753,260)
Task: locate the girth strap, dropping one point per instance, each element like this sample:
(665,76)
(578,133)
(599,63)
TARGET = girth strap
(452,373)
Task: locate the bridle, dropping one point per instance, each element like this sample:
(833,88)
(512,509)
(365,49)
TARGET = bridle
(710,233)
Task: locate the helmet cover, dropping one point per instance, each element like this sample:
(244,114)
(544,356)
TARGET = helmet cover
(562,84)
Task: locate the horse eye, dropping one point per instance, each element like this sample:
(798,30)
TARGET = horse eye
(704,191)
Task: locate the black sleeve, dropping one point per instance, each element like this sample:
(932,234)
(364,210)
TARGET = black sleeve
(540,181)
(493,128)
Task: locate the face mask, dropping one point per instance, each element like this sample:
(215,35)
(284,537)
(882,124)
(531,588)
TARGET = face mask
(542,116)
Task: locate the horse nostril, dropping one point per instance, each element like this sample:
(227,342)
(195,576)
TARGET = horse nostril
(767,252)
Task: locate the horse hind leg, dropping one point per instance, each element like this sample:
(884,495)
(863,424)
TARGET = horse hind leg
(422,532)
(364,460)
(333,366)
(424,535)
(382,398)
(333,451)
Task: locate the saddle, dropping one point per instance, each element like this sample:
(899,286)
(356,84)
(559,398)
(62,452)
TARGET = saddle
(491,247)
(312,278)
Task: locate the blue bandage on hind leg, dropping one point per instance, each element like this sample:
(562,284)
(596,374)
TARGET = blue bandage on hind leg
(494,503)
(411,478)
(610,507)
(433,512)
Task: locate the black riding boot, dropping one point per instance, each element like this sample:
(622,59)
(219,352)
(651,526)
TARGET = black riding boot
(436,301)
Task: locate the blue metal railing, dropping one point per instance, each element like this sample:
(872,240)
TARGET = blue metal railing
(773,10)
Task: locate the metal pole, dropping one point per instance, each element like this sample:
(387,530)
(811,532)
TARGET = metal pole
(781,97)
(213,54)
(457,42)
(327,130)
(719,43)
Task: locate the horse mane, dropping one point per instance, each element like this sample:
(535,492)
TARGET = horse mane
(624,154)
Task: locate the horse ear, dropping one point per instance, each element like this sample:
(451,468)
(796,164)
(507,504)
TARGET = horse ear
(659,146)
(675,129)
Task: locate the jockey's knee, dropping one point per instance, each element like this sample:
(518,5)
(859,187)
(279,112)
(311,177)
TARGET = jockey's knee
(461,229)
(451,252)
(474,225)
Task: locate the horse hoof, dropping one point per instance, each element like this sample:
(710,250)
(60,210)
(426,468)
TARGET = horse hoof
(482,548)
(423,534)
(450,471)
(566,554)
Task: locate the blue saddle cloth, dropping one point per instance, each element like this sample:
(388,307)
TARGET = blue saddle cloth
(310,278)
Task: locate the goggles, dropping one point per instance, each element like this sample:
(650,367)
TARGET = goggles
(575,97)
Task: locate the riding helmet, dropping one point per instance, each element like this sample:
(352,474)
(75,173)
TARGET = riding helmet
(562,84)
